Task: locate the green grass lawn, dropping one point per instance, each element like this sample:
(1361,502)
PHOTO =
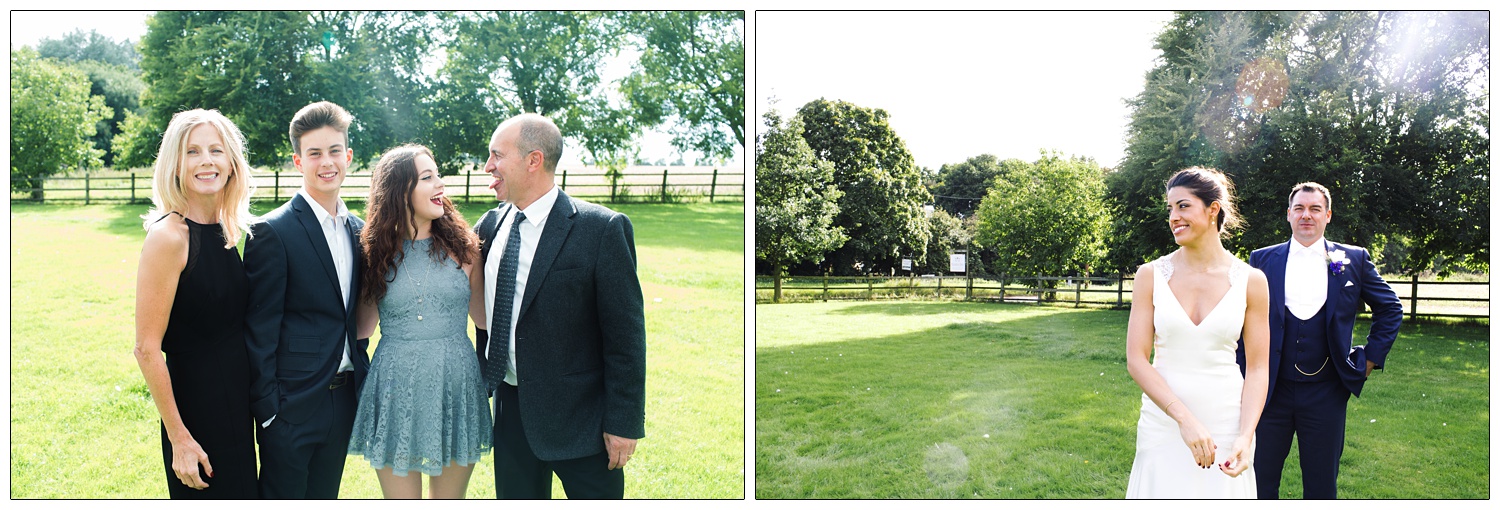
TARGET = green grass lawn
(83,424)
(908,399)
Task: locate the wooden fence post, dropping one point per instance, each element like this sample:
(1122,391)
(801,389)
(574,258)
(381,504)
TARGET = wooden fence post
(870,288)
(565,180)
(1120,289)
(825,287)
(713,185)
(1414,297)
(663,185)
(276,186)
(85,187)
(1077,294)
(132,186)
(940,287)
(969,287)
(468,193)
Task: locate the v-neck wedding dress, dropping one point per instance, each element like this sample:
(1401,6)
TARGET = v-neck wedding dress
(1197,361)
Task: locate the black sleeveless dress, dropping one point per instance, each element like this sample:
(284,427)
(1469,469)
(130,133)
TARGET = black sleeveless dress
(210,368)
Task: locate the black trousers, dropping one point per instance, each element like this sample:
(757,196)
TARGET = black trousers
(306,460)
(520,475)
(1315,412)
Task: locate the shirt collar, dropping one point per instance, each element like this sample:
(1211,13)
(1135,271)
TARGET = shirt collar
(1297,247)
(341,216)
(537,212)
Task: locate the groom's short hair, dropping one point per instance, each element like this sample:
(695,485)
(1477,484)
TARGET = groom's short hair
(1311,186)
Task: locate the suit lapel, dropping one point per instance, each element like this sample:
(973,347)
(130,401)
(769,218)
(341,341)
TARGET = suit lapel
(359,261)
(1334,291)
(559,222)
(309,222)
(1276,279)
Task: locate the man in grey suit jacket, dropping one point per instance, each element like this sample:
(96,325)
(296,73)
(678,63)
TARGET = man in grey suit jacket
(565,351)
(306,365)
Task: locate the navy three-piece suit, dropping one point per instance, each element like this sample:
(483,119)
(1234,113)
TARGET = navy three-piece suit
(1310,403)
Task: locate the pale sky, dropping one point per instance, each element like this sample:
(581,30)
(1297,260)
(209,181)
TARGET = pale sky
(27,28)
(961,84)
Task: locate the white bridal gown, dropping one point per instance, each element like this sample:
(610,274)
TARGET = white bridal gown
(1198,363)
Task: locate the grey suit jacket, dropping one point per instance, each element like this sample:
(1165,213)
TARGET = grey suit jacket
(581,333)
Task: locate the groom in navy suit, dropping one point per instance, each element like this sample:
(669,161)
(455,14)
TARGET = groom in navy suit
(1317,288)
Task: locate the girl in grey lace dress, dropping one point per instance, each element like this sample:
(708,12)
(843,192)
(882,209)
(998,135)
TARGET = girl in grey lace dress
(423,407)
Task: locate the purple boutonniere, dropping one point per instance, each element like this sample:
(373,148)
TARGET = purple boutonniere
(1337,261)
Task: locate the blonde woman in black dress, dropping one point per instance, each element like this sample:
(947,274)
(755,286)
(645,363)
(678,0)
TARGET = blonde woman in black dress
(190,305)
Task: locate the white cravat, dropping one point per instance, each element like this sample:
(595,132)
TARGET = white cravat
(1306,278)
(531,234)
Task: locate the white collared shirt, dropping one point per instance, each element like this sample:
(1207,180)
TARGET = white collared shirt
(342,251)
(531,234)
(1306,278)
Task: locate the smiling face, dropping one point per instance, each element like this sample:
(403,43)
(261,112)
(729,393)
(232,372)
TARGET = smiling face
(206,164)
(323,161)
(1308,215)
(492,165)
(427,196)
(1188,217)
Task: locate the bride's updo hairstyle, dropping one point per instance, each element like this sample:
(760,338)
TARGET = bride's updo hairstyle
(1210,186)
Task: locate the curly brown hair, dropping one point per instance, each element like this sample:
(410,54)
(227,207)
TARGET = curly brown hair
(391,216)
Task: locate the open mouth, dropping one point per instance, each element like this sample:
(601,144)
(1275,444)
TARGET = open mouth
(1179,229)
(437,200)
(206,176)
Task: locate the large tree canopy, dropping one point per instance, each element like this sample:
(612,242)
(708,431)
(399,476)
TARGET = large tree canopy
(881,210)
(1047,218)
(52,120)
(692,66)
(1389,110)
(795,199)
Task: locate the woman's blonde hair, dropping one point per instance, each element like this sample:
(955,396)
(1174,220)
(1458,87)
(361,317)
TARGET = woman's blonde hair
(167,193)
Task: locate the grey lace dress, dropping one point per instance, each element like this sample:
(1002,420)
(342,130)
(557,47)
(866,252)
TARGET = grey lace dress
(423,404)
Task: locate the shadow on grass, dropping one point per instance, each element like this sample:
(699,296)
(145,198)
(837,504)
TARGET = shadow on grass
(1041,406)
(900,308)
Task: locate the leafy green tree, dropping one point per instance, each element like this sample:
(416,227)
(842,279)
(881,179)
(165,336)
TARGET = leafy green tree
(121,89)
(52,119)
(1389,110)
(795,200)
(960,187)
(1048,218)
(114,72)
(692,66)
(372,66)
(881,210)
(252,66)
(79,46)
(503,63)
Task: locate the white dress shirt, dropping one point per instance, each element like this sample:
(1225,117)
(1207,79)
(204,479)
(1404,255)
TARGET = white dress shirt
(531,233)
(1306,278)
(342,250)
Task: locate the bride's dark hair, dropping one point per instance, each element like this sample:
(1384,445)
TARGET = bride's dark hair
(1210,186)
(391,218)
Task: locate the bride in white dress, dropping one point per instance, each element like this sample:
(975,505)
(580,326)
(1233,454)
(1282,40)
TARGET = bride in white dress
(1196,435)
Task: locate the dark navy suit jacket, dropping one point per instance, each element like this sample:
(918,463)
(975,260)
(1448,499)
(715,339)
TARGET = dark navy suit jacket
(581,333)
(298,322)
(1359,284)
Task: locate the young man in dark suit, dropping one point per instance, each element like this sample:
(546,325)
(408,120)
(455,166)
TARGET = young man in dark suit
(563,343)
(306,365)
(1317,287)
